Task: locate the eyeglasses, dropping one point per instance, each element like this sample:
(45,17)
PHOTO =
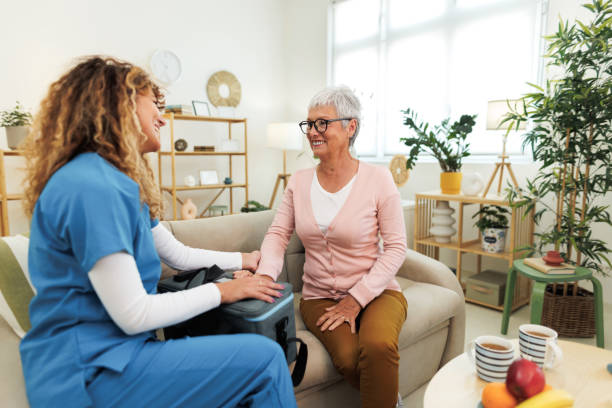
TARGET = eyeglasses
(319,124)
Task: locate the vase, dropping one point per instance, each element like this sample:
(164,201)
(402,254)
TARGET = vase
(450,182)
(494,240)
(472,184)
(441,222)
(15,135)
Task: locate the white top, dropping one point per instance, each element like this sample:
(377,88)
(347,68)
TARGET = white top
(326,205)
(117,283)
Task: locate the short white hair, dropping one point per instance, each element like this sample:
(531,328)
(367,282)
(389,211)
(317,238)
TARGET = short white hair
(344,100)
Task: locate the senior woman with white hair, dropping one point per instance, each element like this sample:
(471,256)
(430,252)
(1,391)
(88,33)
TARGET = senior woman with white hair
(339,209)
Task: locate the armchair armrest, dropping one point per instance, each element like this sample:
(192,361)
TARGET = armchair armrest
(421,268)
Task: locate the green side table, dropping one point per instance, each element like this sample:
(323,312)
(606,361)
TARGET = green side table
(537,295)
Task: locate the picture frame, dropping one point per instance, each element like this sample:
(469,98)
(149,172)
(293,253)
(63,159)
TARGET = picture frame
(200,108)
(208,177)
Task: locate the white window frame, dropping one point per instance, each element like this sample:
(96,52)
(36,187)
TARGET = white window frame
(539,50)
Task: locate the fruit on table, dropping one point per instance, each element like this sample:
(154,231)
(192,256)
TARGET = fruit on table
(496,395)
(549,399)
(525,379)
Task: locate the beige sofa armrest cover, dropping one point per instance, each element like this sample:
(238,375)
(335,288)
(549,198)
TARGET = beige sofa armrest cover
(420,268)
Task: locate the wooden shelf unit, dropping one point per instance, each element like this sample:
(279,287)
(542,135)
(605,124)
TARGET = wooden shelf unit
(5,197)
(173,188)
(520,233)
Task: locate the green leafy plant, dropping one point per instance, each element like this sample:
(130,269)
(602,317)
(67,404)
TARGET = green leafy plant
(571,138)
(491,216)
(253,206)
(15,117)
(446,142)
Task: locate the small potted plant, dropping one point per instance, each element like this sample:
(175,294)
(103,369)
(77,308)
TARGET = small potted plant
(446,142)
(254,206)
(493,225)
(16,122)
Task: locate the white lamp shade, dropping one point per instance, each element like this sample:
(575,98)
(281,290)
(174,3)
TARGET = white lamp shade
(496,112)
(285,136)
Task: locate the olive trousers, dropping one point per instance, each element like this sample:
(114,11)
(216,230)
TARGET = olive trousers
(368,359)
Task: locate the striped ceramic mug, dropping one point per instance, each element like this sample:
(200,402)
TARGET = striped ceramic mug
(492,356)
(539,344)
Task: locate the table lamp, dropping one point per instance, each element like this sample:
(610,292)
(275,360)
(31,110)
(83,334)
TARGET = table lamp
(496,112)
(284,136)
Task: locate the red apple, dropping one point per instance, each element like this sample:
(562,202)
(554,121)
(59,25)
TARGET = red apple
(525,379)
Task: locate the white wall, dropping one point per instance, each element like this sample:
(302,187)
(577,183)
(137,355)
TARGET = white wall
(247,38)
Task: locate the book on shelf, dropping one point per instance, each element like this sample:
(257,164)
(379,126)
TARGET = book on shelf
(540,265)
(180,109)
(203,148)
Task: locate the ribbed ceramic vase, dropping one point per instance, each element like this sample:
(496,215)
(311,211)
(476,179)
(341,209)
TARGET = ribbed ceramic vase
(442,221)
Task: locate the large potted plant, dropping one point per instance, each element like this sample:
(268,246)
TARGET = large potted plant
(572,140)
(446,142)
(16,123)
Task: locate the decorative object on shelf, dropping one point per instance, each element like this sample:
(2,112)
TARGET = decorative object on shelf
(572,140)
(284,136)
(227,180)
(180,145)
(16,122)
(200,108)
(166,66)
(497,111)
(188,210)
(217,210)
(398,169)
(493,226)
(446,142)
(442,222)
(179,109)
(208,177)
(230,145)
(253,206)
(472,184)
(223,89)
(203,148)
(189,181)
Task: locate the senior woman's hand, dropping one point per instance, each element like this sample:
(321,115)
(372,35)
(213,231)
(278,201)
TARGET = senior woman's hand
(345,311)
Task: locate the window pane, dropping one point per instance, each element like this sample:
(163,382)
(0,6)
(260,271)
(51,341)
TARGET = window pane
(474,3)
(355,20)
(403,13)
(358,70)
(488,67)
(416,79)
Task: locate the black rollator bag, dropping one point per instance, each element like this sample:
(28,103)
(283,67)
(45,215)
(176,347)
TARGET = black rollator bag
(273,320)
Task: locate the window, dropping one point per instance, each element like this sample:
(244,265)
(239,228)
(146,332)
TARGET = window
(441,58)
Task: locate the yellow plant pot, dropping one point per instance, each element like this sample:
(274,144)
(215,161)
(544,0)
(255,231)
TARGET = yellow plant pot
(450,183)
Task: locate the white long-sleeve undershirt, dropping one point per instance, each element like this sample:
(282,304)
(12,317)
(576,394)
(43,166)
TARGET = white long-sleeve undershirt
(117,282)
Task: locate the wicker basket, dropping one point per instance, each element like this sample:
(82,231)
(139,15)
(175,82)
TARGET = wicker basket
(571,315)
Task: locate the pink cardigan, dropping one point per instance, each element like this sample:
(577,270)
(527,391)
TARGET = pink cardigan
(348,258)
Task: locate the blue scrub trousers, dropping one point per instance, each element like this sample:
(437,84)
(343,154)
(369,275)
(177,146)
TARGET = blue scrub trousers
(241,370)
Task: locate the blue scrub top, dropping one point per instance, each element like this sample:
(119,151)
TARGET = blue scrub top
(87,210)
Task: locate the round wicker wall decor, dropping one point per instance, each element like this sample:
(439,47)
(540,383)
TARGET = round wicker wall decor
(219,79)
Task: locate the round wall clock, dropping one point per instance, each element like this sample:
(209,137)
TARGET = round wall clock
(223,89)
(180,145)
(398,169)
(166,66)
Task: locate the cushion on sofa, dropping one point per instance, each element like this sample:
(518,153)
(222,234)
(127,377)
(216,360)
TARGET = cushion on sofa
(16,289)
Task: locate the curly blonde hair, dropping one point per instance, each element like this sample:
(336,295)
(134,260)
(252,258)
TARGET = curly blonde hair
(92,108)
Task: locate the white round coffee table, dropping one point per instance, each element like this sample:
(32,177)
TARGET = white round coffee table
(582,373)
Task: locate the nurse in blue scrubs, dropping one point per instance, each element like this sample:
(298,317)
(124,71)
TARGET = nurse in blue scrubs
(94,259)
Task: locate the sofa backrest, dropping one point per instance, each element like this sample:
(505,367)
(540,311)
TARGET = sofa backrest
(238,233)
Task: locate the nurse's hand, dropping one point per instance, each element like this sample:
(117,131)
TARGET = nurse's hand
(242,274)
(256,287)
